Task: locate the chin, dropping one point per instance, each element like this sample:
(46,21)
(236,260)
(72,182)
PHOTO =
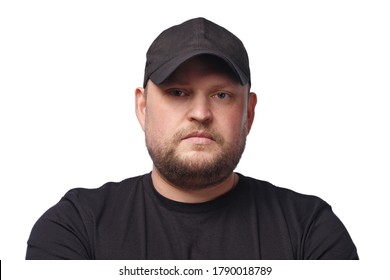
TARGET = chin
(198,157)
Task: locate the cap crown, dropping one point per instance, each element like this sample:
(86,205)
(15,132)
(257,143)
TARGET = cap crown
(197,36)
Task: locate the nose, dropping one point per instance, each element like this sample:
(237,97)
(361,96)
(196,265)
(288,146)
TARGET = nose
(200,110)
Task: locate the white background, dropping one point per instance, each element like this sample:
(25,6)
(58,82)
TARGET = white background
(321,69)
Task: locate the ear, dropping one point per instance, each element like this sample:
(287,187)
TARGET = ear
(251,110)
(140,106)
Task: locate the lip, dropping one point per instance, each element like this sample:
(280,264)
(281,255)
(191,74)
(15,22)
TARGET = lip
(199,138)
(199,134)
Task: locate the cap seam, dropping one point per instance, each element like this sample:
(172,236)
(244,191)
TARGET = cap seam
(198,34)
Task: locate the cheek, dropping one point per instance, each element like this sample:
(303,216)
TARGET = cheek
(230,129)
(158,124)
(233,123)
(152,126)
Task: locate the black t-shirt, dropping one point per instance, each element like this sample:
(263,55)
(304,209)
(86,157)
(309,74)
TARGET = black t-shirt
(131,220)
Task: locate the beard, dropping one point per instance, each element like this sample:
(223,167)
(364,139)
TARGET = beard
(197,171)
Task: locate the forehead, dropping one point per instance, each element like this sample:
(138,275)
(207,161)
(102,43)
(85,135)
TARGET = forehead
(203,64)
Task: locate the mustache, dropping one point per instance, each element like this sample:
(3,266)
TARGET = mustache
(200,128)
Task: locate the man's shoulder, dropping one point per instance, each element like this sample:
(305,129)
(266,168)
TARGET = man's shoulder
(285,197)
(112,186)
(110,192)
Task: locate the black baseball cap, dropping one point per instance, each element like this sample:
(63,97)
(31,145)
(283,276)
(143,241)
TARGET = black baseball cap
(197,36)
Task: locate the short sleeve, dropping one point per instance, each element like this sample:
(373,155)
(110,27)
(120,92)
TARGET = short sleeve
(327,238)
(60,234)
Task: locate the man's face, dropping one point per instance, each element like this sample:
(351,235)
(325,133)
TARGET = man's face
(196,123)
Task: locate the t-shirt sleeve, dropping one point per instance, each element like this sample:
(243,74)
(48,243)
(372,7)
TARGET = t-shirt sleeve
(60,233)
(315,232)
(327,238)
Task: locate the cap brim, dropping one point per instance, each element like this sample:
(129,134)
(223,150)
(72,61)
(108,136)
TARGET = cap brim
(162,73)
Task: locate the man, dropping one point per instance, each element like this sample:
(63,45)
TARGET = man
(196,110)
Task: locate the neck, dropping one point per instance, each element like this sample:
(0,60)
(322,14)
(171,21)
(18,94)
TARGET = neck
(177,193)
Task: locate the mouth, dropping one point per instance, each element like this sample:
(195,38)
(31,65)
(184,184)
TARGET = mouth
(199,137)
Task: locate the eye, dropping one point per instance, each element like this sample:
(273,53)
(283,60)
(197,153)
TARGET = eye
(176,93)
(222,95)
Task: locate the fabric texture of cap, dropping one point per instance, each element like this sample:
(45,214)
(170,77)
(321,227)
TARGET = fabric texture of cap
(196,36)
